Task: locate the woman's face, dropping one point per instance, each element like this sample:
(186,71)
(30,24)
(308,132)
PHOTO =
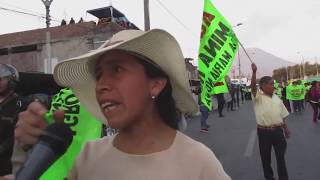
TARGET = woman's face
(123,89)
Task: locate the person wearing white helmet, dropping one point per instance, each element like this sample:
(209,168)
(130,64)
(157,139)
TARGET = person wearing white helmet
(9,109)
(9,78)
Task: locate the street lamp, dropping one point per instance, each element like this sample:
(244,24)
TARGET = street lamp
(239,24)
(287,73)
(302,68)
(317,66)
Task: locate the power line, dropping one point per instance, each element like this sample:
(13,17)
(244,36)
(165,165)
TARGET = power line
(36,15)
(176,18)
(21,12)
(26,10)
(28,13)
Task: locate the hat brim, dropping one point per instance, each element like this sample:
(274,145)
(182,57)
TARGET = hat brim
(157,45)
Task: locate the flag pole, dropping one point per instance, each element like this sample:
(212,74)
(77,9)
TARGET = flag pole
(245,51)
(239,24)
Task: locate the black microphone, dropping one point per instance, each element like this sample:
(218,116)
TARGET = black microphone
(52,144)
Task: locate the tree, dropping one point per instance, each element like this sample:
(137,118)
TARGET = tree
(295,72)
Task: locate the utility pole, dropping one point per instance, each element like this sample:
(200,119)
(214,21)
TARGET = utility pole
(317,66)
(300,70)
(303,68)
(241,45)
(48,67)
(146,16)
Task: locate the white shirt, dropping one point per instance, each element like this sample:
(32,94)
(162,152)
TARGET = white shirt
(268,110)
(186,159)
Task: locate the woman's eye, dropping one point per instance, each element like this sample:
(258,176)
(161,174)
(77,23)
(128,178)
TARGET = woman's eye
(97,75)
(117,69)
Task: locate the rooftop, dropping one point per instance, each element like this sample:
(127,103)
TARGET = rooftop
(39,35)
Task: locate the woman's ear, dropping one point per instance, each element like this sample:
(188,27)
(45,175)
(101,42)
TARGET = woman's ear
(157,85)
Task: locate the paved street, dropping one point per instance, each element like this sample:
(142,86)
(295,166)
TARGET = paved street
(234,141)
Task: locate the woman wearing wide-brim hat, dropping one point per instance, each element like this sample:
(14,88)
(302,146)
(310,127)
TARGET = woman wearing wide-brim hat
(137,83)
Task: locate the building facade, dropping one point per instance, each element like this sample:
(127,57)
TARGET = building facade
(27,50)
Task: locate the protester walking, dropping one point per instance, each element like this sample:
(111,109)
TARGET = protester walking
(237,93)
(204,126)
(295,93)
(271,126)
(314,97)
(221,102)
(232,91)
(242,93)
(229,99)
(285,101)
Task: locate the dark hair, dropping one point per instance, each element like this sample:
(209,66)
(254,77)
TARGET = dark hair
(165,103)
(313,83)
(264,80)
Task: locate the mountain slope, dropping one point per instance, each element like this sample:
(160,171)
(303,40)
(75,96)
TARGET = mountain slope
(265,61)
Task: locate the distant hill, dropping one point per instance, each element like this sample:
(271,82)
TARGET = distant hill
(265,61)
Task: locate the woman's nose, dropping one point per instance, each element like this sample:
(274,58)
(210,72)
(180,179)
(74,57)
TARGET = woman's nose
(104,83)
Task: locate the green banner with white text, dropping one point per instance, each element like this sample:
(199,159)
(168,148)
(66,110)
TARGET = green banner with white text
(218,46)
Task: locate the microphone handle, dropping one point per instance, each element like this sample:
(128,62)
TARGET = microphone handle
(40,159)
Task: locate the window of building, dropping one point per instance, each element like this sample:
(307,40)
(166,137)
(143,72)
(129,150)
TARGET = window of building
(22,49)
(4,51)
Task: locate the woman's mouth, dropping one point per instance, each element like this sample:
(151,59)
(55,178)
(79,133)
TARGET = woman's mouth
(109,106)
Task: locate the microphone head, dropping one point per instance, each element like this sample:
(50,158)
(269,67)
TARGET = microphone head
(58,136)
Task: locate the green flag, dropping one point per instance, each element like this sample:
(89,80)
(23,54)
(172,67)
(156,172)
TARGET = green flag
(84,126)
(218,46)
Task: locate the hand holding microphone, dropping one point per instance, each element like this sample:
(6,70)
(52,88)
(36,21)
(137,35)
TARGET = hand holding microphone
(31,123)
(52,144)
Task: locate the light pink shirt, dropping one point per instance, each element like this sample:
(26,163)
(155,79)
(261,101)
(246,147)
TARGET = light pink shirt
(186,159)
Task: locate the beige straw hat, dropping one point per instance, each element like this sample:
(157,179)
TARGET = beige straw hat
(157,45)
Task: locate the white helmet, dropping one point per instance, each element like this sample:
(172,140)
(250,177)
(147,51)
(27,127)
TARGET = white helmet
(10,73)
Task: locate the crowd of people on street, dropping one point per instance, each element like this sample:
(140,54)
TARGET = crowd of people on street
(236,94)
